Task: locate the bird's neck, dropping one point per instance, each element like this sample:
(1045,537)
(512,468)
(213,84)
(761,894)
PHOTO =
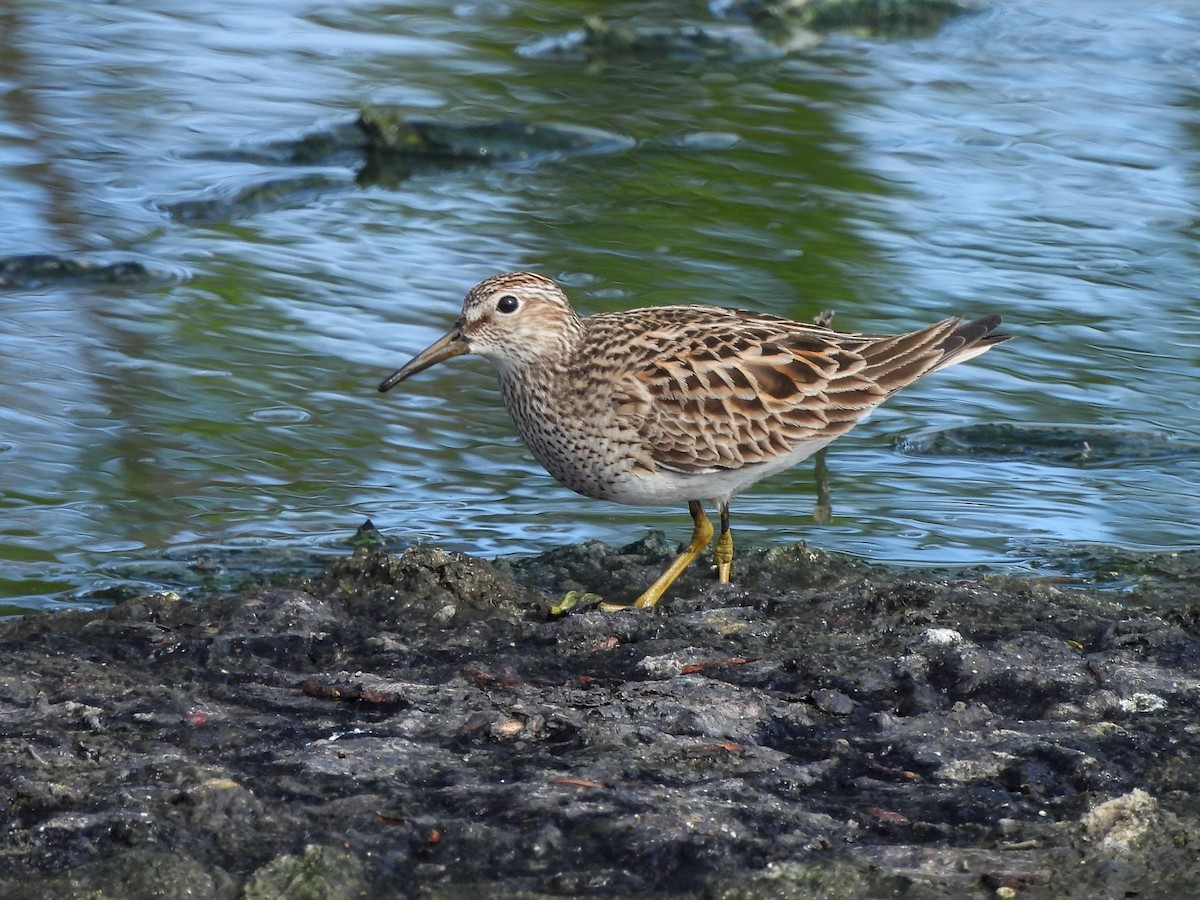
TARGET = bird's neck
(545,358)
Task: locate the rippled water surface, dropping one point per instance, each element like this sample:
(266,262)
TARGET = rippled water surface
(1037,160)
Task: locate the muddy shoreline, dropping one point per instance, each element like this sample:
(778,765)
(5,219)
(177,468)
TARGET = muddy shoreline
(413,725)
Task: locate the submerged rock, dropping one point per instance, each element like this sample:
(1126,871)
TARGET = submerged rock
(41,269)
(776,28)
(385,146)
(877,18)
(411,725)
(1139,570)
(389,130)
(257,196)
(1062,444)
(600,39)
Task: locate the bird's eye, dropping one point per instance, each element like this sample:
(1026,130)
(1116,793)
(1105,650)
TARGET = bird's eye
(508,304)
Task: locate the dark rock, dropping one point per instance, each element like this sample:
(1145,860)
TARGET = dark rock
(833,702)
(413,725)
(1082,446)
(132,873)
(41,269)
(385,146)
(776,28)
(319,873)
(878,18)
(603,40)
(250,197)
(390,130)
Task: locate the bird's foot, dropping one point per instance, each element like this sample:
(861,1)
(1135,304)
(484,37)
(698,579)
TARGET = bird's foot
(574,602)
(585,601)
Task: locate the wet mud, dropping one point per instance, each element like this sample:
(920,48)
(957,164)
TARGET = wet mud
(413,725)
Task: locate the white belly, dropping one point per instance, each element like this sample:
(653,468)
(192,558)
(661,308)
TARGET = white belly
(665,487)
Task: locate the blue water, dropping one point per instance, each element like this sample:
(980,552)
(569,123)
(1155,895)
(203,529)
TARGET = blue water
(1036,160)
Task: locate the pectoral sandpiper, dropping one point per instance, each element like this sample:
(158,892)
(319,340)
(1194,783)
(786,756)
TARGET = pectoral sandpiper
(680,404)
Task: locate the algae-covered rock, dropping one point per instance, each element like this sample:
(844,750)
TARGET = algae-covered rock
(1165,574)
(384,146)
(776,28)
(1056,444)
(245,199)
(319,873)
(444,585)
(1117,825)
(877,18)
(132,874)
(40,269)
(601,39)
(389,129)
(818,879)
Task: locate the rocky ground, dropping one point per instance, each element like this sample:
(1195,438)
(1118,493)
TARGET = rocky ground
(413,725)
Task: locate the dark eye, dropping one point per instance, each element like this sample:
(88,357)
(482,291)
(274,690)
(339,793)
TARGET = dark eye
(508,304)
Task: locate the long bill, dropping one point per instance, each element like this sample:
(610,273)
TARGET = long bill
(449,345)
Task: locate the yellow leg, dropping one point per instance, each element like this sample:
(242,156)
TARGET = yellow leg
(701,534)
(723,552)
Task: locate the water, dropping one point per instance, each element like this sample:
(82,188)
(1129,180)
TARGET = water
(1037,160)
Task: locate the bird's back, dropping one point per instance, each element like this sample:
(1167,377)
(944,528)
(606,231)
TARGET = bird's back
(690,402)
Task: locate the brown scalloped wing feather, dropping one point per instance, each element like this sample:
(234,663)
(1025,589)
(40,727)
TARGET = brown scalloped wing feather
(711,388)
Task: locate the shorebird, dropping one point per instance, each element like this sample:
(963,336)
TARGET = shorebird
(681,404)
